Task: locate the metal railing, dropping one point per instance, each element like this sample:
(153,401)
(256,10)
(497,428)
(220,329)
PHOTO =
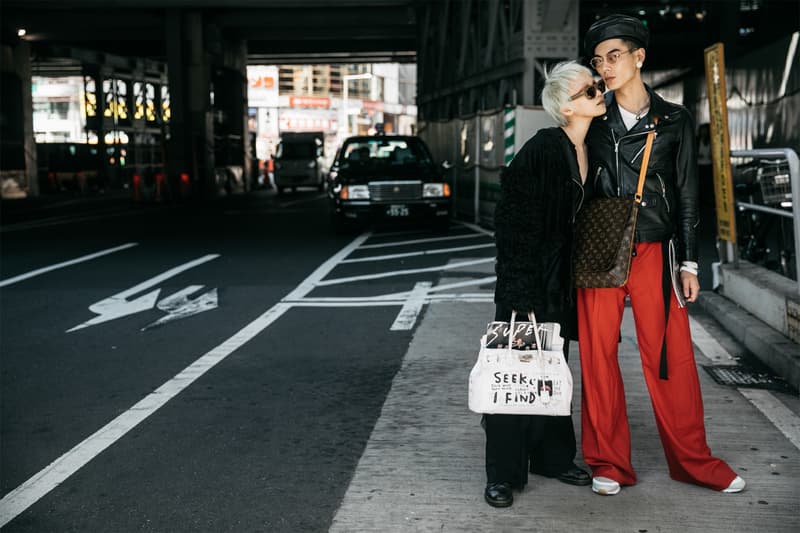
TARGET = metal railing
(794,179)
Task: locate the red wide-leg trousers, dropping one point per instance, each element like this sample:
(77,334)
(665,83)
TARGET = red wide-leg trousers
(677,401)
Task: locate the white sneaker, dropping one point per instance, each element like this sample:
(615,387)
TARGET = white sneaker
(737,485)
(606,486)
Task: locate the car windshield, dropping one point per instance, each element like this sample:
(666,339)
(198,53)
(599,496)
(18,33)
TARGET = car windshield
(296,150)
(380,152)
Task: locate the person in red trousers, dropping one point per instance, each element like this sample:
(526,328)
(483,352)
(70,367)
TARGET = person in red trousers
(665,236)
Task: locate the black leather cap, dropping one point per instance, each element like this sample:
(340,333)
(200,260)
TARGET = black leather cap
(616,27)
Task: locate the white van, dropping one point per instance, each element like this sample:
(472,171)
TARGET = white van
(299,161)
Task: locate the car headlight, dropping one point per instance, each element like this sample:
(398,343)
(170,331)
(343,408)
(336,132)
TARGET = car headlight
(430,190)
(312,164)
(355,192)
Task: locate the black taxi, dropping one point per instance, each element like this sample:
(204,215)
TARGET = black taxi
(387,177)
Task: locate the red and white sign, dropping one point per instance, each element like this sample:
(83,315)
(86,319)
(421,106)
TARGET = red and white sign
(371,105)
(262,89)
(309,101)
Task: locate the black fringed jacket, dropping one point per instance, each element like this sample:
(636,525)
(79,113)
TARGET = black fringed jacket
(540,194)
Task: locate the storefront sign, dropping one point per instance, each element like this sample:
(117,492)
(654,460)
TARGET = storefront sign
(309,101)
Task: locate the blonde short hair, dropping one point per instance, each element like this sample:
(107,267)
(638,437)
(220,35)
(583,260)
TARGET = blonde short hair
(556,87)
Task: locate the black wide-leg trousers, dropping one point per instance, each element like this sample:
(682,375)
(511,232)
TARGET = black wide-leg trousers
(518,444)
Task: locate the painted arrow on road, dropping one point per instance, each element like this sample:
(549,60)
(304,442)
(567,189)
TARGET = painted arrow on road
(118,305)
(179,305)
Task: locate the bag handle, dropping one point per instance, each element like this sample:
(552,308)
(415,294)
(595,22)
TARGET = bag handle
(511,329)
(645,160)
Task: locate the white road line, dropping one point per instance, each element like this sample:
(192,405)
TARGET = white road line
(421,241)
(415,254)
(445,287)
(710,347)
(776,412)
(408,314)
(476,228)
(19,499)
(404,272)
(81,259)
(355,303)
(449,286)
(315,278)
(118,305)
(781,416)
(379,301)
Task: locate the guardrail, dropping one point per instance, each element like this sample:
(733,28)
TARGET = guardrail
(794,179)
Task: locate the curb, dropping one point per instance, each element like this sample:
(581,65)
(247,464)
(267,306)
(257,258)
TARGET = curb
(772,348)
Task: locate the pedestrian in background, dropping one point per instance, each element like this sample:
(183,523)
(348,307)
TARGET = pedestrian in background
(541,191)
(667,222)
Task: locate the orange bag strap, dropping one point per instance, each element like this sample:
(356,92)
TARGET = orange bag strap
(645,160)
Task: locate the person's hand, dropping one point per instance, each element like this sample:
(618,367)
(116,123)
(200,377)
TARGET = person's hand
(691,286)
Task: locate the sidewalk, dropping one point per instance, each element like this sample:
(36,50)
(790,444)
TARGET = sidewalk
(50,206)
(423,469)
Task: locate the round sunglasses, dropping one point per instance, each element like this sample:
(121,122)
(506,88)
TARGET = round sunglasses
(591,91)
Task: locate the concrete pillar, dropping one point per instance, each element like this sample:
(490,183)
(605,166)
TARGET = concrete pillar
(191,135)
(19,167)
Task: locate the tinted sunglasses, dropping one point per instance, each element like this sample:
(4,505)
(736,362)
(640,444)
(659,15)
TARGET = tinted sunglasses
(591,91)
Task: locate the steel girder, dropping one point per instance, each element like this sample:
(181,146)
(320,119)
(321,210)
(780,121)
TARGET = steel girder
(476,55)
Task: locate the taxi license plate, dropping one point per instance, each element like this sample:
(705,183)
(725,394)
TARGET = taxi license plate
(397,211)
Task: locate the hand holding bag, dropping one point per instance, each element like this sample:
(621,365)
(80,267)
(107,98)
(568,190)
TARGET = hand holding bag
(521,370)
(604,235)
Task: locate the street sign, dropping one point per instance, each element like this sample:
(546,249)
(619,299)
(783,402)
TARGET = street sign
(720,143)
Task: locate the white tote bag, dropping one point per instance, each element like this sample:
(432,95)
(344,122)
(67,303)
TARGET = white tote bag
(533,380)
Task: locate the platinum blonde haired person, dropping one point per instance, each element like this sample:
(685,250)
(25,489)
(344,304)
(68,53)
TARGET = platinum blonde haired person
(541,190)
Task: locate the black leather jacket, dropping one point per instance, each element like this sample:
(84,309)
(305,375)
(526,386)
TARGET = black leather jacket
(669,204)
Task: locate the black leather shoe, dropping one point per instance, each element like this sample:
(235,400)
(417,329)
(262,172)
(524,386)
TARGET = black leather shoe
(575,476)
(498,494)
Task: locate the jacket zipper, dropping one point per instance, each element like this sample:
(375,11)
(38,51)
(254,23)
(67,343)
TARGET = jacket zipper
(616,160)
(616,155)
(663,191)
(638,153)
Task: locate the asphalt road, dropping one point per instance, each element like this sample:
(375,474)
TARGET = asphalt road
(247,411)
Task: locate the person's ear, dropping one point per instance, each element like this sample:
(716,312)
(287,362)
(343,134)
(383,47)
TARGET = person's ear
(567,110)
(640,54)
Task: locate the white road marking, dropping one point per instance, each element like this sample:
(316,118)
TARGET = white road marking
(379,301)
(404,272)
(776,412)
(710,347)
(118,305)
(781,416)
(308,284)
(179,305)
(81,259)
(419,253)
(420,241)
(22,497)
(476,228)
(408,314)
